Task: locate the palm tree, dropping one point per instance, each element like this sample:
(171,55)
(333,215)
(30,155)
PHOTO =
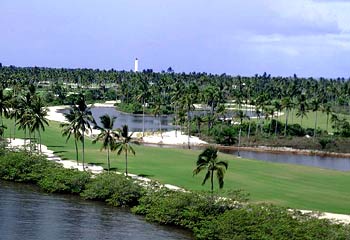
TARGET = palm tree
(240,115)
(82,120)
(191,93)
(326,108)
(38,117)
(4,105)
(107,135)
(302,108)
(124,145)
(23,122)
(208,160)
(315,106)
(69,129)
(15,112)
(287,104)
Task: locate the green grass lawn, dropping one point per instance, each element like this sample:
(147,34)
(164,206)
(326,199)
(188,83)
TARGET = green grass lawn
(309,120)
(283,184)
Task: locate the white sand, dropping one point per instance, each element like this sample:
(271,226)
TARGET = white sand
(19,143)
(172,138)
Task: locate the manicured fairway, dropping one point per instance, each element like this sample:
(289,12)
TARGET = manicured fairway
(284,184)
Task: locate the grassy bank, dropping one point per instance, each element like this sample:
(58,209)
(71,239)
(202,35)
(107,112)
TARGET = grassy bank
(287,185)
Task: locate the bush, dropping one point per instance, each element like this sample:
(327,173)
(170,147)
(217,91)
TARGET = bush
(63,180)
(295,130)
(115,189)
(135,107)
(184,209)
(269,222)
(23,167)
(224,134)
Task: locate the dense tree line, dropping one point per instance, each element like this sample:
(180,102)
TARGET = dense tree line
(169,92)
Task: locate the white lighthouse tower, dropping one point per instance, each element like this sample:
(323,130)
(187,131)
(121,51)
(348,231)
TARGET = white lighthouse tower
(136,65)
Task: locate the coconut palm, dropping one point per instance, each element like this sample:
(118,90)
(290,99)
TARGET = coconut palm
(315,106)
(107,135)
(326,108)
(241,116)
(125,145)
(68,129)
(82,121)
(287,104)
(24,120)
(38,118)
(4,109)
(302,108)
(15,112)
(207,160)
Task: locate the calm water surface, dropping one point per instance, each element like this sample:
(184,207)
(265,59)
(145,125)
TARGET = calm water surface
(333,163)
(26,213)
(134,121)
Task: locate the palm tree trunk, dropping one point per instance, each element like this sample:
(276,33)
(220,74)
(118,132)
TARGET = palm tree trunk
(39,141)
(108,161)
(25,138)
(76,151)
(83,149)
(30,141)
(126,163)
(315,126)
(239,141)
(14,128)
(276,128)
(212,181)
(143,118)
(188,129)
(160,126)
(285,127)
(250,123)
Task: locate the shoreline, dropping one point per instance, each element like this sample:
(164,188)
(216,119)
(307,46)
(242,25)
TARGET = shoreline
(170,139)
(337,218)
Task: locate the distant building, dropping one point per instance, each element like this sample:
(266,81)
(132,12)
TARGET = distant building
(136,65)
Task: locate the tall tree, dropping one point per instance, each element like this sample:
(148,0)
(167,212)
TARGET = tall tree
(326,108)
(208,161)
(107,135)
(82,120)
(287,104)
(38,118)
(4,109)
(302,108)
(315,105)
(125,145)
(68,129)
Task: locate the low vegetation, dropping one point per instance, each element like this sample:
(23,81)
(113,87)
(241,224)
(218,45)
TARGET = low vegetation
(207,216)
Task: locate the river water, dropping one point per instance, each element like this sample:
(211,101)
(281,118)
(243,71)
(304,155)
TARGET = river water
(134,121)
(333,163)
(26,213)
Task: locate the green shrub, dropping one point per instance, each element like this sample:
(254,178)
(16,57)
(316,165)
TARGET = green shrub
(224,134)
(269,222)
(63,180)
(23,167)
(295,130)
(115,189)
(184,209)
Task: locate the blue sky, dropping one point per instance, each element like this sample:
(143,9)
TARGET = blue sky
(281,37)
